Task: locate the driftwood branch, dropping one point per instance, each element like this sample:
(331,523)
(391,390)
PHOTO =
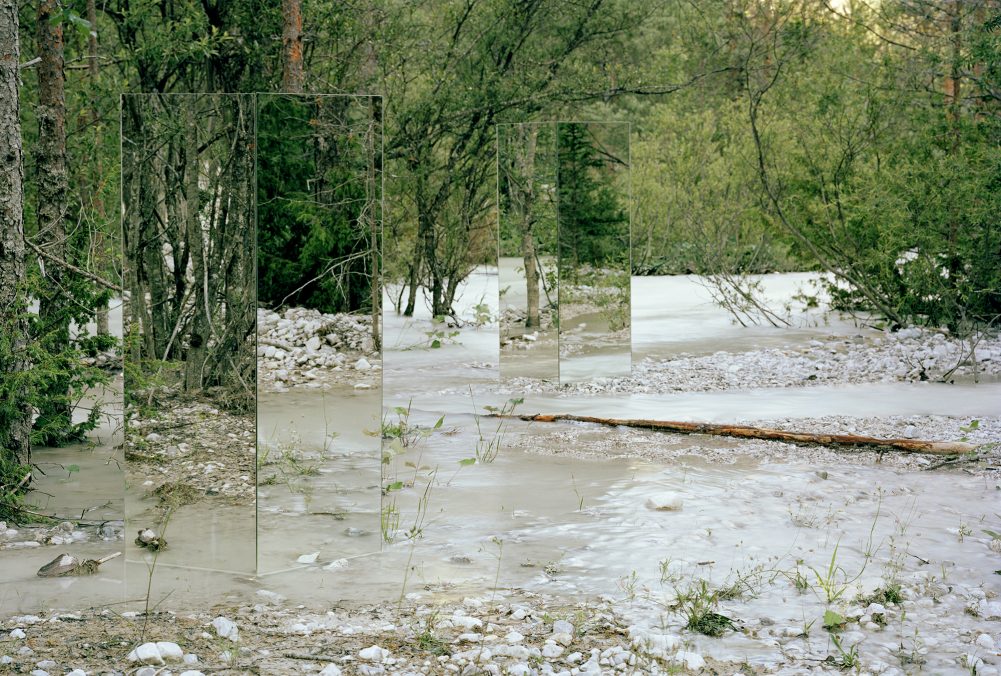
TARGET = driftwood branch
(745,432)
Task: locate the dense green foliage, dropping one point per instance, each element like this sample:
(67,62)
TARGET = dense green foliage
(311,175)
(593,219)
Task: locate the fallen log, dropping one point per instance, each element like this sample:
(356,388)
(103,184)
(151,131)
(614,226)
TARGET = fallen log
(745,432)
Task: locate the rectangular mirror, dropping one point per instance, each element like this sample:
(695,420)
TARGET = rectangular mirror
(189,233)
(319,205)
(594,250)
(527,273)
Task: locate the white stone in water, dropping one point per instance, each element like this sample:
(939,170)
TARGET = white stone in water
(331,670)
(335,564)
(667,502)
(226,628)
(373,653)
(362,365)
(308,558)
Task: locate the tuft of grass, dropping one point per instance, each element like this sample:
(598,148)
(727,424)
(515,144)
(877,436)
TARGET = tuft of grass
(698,604)
(890,593)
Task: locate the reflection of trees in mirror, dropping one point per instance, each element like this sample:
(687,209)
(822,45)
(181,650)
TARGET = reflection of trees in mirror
(594,232)
(527,208)
(187,169)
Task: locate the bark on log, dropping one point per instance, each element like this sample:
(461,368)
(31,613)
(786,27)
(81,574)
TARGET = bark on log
(745,432)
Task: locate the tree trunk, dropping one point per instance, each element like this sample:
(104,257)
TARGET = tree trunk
(101,311)
(197,341)
(55,412)
(745,432)
(15,413)
(292,75)
(374,211)
(526,203)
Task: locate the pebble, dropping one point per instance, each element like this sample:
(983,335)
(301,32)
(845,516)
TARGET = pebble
(563,627)
(18,633)
(331,670)
(373,653)
(226,628)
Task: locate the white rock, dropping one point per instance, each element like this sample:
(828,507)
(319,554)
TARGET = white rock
(692,661)
(989,610)
(667,502)
(313,344)
(551,651)
(169,652)
(331,670)
(308,558)
(192,672)
(985,641)
(362,365)
(18,633)
(39,672)
(226,628)
(76,672)
(514,637)
(45,664)
(190,658)
(563,627)
(6,659)
(373,653)
(147,653)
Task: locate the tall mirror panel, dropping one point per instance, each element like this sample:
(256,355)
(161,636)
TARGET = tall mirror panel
(527,273)
(594,250)
(319,205)
(190,370)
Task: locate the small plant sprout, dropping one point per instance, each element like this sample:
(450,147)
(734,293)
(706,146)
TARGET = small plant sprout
(488,448)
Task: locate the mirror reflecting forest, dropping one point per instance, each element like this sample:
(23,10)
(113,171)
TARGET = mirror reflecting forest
(190,368)
(526,198)
(594,250)
(319,206)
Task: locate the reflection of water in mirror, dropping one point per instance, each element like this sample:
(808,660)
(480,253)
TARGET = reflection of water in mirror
(319,475)
(526,352)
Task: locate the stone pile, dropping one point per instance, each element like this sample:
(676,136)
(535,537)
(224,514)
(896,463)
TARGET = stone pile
(302,345)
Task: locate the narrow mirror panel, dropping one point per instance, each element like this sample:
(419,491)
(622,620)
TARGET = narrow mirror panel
(190,280)
(594,250)
(527,273)
(319,203)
